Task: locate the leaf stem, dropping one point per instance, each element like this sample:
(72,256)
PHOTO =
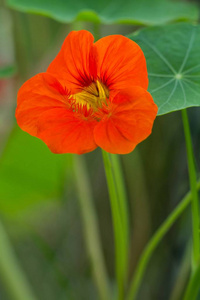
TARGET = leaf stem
(182,276)
(193,180)
(11,273)
(91,228)
(153,243)
(111,168)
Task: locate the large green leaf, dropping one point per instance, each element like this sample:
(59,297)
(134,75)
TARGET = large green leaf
(110,11)
(173,62)
(29,173)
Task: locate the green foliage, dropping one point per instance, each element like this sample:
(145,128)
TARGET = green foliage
(109,11)
(29,173)
(173,62)
(7,71)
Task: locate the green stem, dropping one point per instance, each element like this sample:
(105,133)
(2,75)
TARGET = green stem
(193,180)
(11,274)
(122,202)
(193,286)
(182,277)
(90,222)
(153,243)
(120,244)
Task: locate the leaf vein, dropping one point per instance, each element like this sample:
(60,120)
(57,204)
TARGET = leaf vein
(171,94)
(190,81)
(193,90)
(191,69)
(192,76)
(168,64)
(188,50)
(162,86)
(160,75)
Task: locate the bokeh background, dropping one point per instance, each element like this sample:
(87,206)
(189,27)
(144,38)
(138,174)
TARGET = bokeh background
(39,205)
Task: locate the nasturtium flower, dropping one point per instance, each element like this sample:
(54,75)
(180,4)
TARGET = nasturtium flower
(92,94)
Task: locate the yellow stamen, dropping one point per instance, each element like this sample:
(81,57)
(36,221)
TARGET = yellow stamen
(92,96)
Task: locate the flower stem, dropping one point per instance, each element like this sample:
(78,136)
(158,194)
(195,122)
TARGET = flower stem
(153,243)
(119,214)
(193,285)
(91,228)
(122,202)
(12,276)
(193,180)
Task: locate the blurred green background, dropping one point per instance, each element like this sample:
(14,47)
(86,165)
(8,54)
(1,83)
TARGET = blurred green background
(39,204)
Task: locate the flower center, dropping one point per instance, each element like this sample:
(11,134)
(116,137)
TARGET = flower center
(92,97)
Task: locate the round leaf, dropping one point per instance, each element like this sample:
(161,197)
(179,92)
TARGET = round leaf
(110,11)
(173,61)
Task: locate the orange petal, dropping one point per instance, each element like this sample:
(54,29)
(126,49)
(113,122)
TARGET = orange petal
(43,111)
(121,63)
(128,122)
(37,95)
(65,132)
(75,64)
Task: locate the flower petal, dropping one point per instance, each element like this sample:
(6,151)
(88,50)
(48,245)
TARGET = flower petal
(75,64)
(43,111)
(121,63)
(37,95)
(66,132)
(129,121)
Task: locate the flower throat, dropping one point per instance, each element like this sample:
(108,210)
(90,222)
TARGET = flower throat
(91,97)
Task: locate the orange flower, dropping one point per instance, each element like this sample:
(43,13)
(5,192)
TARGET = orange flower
(92,94)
